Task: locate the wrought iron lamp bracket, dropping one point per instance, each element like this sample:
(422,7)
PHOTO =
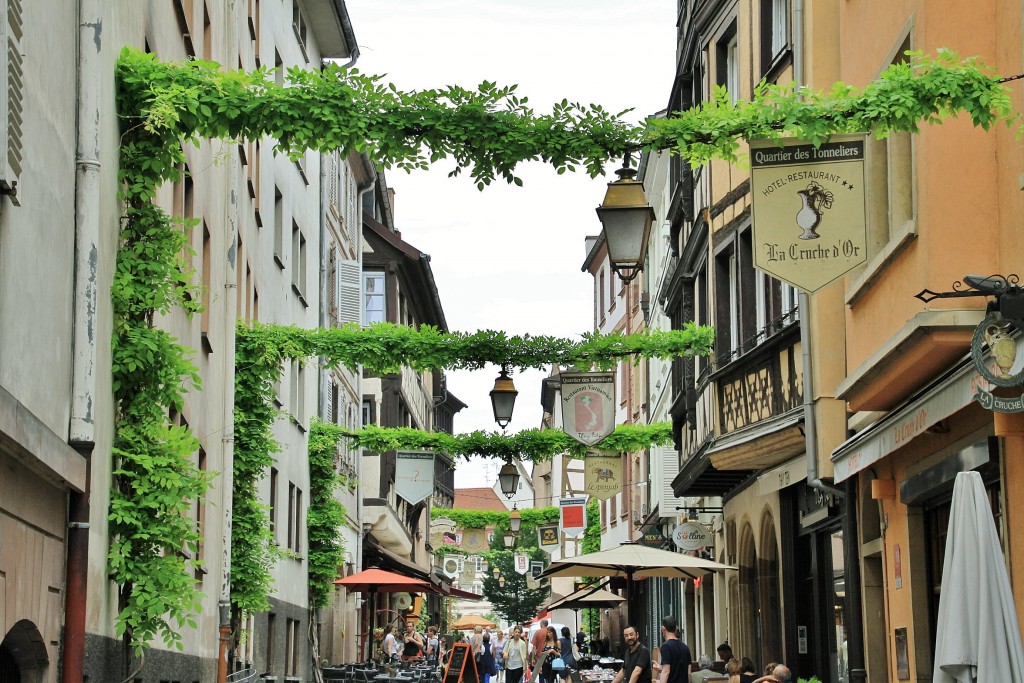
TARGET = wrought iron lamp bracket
(1006,290)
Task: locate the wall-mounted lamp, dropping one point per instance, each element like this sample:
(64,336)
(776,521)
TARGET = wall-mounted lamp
(626,217)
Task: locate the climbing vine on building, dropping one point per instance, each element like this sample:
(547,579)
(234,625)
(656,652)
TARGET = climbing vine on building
(487,132)
(326,514)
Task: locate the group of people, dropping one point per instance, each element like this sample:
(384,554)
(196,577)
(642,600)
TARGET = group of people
(411,645)
(553,657)
(676,662)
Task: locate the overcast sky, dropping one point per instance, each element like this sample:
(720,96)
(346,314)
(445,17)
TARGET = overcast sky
(509,258)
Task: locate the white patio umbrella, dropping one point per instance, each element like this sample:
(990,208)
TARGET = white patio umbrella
(633,560)
(978,638)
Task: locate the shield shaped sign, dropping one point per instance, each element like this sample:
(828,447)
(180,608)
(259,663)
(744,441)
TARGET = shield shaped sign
(808,217)
(573,516)
(547,537)
(602,476)
(588,405)
(522,563)
(414,475)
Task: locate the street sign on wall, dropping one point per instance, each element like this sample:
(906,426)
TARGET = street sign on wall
(808,209)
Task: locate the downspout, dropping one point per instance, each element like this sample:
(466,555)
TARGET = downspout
(82,427)
(851,549)
(348,32)
(357,557)
(803,301)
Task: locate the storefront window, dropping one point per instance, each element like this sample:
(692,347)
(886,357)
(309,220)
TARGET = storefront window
(840,668)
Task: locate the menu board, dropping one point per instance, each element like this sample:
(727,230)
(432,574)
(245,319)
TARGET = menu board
(461,665)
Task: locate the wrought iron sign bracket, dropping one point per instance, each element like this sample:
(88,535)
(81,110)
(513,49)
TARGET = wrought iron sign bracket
(1009,295)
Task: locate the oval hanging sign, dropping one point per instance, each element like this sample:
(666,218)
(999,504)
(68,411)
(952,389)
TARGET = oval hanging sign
(691,536)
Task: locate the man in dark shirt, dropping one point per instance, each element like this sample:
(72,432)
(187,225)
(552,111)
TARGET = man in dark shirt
(675,655)
(636,666)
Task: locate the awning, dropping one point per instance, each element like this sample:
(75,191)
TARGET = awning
(763,444)
(397,563)
(698,477)
(454,592)
(950,393)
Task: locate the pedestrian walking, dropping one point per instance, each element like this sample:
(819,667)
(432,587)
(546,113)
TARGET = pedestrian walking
(675,655)
(516,656)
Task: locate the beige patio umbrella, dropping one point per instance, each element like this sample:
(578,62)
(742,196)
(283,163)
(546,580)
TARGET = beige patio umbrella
(634,561)
(470,622)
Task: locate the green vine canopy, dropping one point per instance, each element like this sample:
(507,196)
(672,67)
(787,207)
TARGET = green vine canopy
(487,132)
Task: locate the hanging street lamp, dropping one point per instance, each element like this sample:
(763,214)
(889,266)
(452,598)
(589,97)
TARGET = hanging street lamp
(503,398)
(508,477)
(626,217)
(515,520)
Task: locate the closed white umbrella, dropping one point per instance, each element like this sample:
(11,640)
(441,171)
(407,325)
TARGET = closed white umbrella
(978,637)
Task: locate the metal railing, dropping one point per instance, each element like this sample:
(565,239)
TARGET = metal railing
(243,676)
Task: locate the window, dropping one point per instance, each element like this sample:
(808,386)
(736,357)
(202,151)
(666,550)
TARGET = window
(291,652)
(891,214)
(727,59)
(299,26)
(891,181)
(273,503)
(207,285)
(207,33)
(774,31)
(299,262)
(374,310)
(294,517)
(271,635)
(601,291)
(278,227)
(11,104)
(184,12)
(200,514)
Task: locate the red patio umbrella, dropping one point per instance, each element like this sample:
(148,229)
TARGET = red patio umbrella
(382,581)
(373,581)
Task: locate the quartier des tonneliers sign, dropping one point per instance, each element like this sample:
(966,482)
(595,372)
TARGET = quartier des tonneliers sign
(808,209)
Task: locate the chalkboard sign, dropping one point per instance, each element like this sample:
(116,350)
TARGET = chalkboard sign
(461,665)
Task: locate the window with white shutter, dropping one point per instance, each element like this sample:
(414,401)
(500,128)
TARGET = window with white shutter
(349,294)
(12,100)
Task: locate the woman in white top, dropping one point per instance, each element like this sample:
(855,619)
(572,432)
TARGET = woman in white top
(391,648)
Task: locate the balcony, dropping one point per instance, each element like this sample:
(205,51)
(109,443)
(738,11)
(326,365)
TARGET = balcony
(759,417)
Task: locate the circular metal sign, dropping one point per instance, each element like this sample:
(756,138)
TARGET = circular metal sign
(691,536)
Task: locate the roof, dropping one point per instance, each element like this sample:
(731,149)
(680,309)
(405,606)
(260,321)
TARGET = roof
(482,498)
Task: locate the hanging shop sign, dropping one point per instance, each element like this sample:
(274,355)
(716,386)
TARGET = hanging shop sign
(588,405)
(573,517)
(691,536)
(547,537)
(1002,367)
(442,532)
(536,569)
(452,565)
(414,475)
(808,209)
(522,563)
(602,476)
(474,540)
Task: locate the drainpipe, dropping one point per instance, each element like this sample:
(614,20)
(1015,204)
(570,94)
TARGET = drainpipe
(851,547)
(810,426)
(357,558)
(348,32)
(82,428)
